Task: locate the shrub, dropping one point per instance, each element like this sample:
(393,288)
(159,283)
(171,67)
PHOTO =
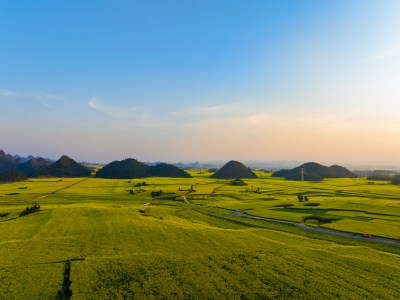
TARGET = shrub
(34,208)
(145,212)
(396,180)
(237,182)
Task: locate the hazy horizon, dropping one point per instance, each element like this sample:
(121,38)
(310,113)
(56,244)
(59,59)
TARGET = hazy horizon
(269,164)
(202,80)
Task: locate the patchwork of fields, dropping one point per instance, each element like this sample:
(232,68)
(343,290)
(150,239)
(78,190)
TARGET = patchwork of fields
(119,248)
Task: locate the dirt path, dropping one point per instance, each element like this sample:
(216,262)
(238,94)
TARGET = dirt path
(148,203)
(46,195)
(186,200)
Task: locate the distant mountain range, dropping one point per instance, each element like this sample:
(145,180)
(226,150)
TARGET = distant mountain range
(29,157)
(313,171)
(11,167)
(23,164)
(365,173)
(8,161)
(196,165)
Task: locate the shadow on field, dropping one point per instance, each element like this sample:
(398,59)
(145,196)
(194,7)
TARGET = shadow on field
(65,293)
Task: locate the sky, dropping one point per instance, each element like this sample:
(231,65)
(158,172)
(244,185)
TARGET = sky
(201,80)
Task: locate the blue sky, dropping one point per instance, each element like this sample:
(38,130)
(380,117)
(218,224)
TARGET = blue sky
(201,80)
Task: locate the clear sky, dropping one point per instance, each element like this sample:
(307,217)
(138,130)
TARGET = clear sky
(201,80)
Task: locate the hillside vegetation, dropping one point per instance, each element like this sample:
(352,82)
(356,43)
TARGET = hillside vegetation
(12,175)
(232,170)
(131,168)
(32,165)
(64,167)
(315,172)
(166,170)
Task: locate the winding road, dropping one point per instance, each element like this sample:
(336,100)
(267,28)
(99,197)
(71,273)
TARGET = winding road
(353,236)
(305,227)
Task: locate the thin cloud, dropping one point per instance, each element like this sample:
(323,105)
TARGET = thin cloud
(41,97)
(45,96)
(112,111)
(6,93)
(214,109)
(205,110)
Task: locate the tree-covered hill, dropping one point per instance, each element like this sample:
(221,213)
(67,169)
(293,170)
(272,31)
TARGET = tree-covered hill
(12,175)
(64,167)
(315,172)
(131,168)
(124,169)
(166,170)
(33,164)
(232,170)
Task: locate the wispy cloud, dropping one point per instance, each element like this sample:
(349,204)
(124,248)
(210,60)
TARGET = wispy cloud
(42,97)
(6,93)
(112,111)
(207,111)
(45,96)
(213,109)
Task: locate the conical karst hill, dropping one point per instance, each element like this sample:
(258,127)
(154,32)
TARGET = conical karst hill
(232,170)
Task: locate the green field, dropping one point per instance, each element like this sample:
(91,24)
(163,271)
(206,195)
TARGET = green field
(175,250)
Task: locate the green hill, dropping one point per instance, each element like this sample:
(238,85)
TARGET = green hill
(232,170)
(131,168)
(12,175)
(315,172)
(166,170)
(7,161)
(64,167)
(33,164)
(124,169)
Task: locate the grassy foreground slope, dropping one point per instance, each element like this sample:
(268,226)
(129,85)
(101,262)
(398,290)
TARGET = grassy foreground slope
(170,251)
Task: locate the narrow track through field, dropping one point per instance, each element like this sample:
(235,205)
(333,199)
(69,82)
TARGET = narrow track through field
(48,194)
